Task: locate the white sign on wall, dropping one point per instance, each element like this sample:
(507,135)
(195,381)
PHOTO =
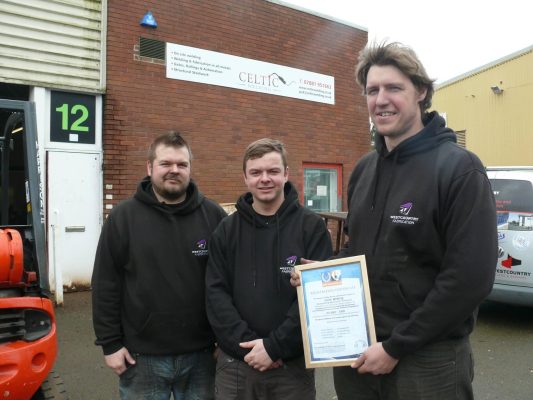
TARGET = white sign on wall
(210,67)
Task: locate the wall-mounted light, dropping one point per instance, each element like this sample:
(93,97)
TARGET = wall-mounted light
(148,20)
(496,89)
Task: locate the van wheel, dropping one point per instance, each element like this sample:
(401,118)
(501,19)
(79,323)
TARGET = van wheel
(51,388)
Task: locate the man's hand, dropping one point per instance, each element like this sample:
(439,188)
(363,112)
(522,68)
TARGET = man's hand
(375,360)
(117,361)
(258,357)
(276,364)
(295,278)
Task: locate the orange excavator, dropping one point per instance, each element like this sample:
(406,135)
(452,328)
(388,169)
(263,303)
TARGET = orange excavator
(28,342)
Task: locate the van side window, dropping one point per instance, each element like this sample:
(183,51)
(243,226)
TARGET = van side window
(513,195)
(514,204)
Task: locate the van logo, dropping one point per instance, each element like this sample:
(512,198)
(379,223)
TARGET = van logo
(520,242)
(501,235)
(511,262)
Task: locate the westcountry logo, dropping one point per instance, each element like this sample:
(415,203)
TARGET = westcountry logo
(508,272)
(406,208)
(404,218)
(289,265)
(510,262)
(201,248)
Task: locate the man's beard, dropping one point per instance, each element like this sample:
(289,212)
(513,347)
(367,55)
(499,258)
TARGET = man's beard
(170,195)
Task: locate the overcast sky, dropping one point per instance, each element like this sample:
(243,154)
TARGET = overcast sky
(451,37)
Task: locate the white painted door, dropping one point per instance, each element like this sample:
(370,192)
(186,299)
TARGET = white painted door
(74,216)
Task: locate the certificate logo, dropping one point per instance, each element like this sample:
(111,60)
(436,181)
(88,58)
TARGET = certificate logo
(330,278)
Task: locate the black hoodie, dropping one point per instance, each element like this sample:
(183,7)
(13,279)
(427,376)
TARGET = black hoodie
(249,295)
(149,274)
(424,217)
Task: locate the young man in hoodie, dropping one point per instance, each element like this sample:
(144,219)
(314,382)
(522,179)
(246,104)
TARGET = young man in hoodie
(148,283)
(421,210)
(250,303)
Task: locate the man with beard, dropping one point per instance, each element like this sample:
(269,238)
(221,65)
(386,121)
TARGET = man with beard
(148,282)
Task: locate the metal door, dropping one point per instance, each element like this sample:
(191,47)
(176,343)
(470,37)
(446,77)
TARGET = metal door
(74,217)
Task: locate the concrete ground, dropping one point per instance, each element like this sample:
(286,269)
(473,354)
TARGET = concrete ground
(502,344)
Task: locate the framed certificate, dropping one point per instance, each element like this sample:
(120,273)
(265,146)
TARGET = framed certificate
(335,311)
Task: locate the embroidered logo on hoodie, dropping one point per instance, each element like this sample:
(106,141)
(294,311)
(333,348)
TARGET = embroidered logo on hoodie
(288,267)
(404,217)
(201,248)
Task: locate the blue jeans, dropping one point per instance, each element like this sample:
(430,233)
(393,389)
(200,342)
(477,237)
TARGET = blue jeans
(188,377)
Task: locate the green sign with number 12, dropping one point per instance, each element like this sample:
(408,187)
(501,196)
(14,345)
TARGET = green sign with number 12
(72,118)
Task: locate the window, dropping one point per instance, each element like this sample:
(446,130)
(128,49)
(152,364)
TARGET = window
(322,187)
(514,204)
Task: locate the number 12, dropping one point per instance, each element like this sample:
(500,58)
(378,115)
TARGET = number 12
(77,124)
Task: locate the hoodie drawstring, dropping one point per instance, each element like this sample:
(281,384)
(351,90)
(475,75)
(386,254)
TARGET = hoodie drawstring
(254,265)
(276,255)
(387,191)
(375,186)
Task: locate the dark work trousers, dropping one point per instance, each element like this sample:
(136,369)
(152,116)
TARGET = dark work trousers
(438,371)
(236,380)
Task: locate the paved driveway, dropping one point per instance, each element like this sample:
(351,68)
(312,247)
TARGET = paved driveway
(502,343)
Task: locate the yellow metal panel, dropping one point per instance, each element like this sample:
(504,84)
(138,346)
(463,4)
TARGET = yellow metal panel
(497,126)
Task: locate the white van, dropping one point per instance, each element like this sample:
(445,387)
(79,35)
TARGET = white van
(513,191)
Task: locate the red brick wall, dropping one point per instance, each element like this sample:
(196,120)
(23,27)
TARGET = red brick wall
(220,122)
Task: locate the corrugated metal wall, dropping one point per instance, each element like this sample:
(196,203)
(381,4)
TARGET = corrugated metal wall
(497,126)
(53,43)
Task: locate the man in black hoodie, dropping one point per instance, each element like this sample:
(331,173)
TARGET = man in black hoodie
(421,210)
(250,303)
(148,283)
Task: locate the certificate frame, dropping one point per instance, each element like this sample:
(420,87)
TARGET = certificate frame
(334,336)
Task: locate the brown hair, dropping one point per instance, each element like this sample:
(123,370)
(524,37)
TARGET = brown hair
(171,139)
(401,57)
(263,146)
